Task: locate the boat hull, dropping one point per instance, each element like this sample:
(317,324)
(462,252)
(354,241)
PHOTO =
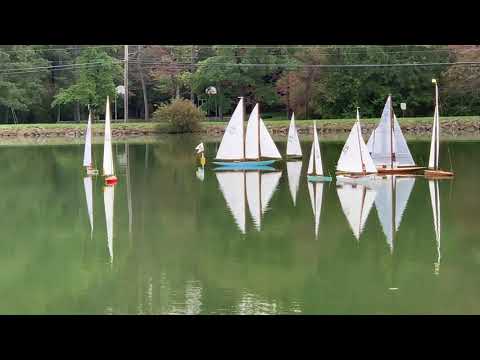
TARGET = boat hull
(319,178)
(111,180)
(258,168)
(244,165)
(400,170)
(438,174)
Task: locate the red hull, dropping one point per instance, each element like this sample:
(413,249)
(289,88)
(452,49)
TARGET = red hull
(111,180)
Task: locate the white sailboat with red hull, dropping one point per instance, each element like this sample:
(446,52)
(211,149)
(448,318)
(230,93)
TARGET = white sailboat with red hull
(108,167)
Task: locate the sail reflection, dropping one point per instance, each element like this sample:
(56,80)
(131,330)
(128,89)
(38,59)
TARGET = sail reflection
(435,198)
(87,185)
(356,198)
(108,197)
(294,170)
(391,201)
(253,187)
(316,194)
(200,173)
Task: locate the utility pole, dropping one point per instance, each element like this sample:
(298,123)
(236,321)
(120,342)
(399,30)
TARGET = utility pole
(125,83)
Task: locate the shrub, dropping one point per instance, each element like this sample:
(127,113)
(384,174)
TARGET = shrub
(181,115)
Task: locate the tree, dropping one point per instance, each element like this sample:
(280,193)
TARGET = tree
(98,74)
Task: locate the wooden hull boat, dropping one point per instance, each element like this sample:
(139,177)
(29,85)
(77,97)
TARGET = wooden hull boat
(399,170)
(438,174)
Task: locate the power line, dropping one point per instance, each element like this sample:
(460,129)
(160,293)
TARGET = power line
(57,49)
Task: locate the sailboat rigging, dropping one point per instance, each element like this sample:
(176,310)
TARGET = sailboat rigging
(433,170)
(245,149)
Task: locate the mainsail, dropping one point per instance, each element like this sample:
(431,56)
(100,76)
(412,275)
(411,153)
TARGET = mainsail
(294,170)
(356,200)
(355,157)
(386,144)
(87,184)
(315,191)
(232,145)
(315,162)
(107,146)
(435,143)
(108,197)
(391,202)
(232,185)
(87,155)
(293,143)
(252,144)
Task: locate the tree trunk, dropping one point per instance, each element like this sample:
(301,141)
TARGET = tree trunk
(220,107)
(77,112)
(142,81)
(177,90)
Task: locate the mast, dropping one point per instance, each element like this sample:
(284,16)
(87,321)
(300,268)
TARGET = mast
(394,201)
(359,147)
(392,155)
(314,170)
(437,126)
(243,124)
(258,131)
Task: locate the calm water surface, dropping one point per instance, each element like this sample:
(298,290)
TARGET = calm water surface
(233,243)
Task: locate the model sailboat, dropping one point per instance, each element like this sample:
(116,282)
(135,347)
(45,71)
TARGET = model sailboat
(435,198)
(388,147)
(315,168)
(356,199)
(245,151)
(254,188)
(433,170)
(391,201)
(108,197)
(108,168)
(355,159)
(87,154)
(294,150)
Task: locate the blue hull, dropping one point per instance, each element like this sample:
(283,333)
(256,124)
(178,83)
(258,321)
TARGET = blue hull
(244,165)
(256,168)
(315,178)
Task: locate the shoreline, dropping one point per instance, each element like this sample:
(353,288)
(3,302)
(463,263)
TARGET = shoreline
(454,126)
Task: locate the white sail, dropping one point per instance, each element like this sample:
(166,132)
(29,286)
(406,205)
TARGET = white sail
(315,191)
(87,155)
(383,141)
(356,201)
(315,155)
(268,182)
(392,188)
(253,197)
(267,145)
(232,185)
(354,157)
(293,143)
(108,198)
(435,199)
(87,185)
(435,143)
(252,146)
(294,170)
(403,156)
(232,145)
(107,146)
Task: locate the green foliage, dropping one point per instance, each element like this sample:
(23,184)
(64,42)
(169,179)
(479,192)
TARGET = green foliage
(181,115)
(94,83)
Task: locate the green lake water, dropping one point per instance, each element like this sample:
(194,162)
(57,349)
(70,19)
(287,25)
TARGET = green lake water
(177,246)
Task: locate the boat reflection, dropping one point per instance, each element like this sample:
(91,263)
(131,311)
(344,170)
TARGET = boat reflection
(88,186)
(108,197)
(356,198)
(316,194)
(253,187)
(294,170)
(435,198)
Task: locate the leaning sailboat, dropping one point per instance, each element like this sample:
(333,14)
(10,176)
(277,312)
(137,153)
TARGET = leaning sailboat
(354,159)
(315,168)
(243,150)
(433,171)
(294,150)
(108,168)
(252,188)
(388,147)
(87,154)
